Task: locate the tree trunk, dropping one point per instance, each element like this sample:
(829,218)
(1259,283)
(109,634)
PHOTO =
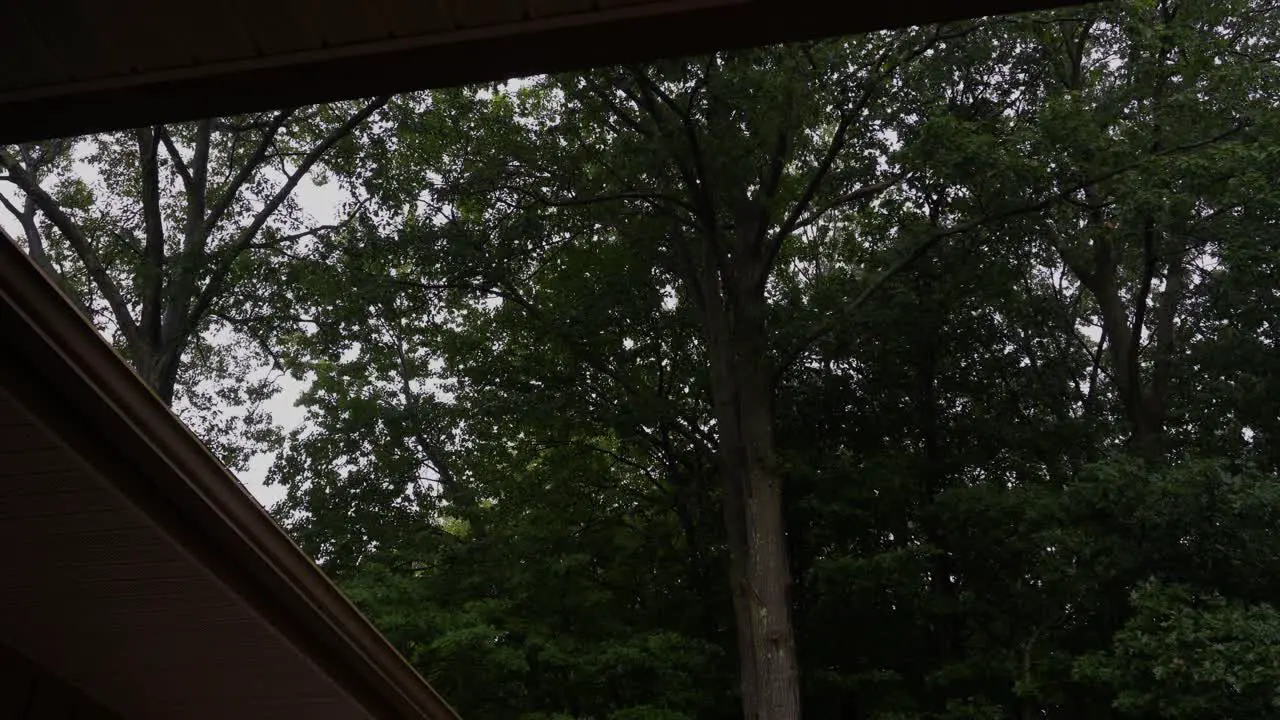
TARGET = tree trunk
(1143,395)
(158,367)
(760,573)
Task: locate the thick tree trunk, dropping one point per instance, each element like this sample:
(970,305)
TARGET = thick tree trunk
(158,368)
(760,572)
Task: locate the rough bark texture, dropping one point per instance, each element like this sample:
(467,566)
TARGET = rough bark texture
(729,288)
(760,569)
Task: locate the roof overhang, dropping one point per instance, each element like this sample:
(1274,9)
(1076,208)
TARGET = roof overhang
(78,66)
(138,569)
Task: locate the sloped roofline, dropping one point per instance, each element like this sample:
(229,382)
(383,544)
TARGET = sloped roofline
(77,386)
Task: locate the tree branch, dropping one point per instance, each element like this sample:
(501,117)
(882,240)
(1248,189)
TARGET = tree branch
(195,236)
(1095,369)
(1150,260)
(13,209)
(694,172)
(921,249)
(863,193)
(204,300)
(778,161)
(603,94)
(651,199)
(176,157)
(79,242)
(839,139)
(433,452)
(250,166)
(285,239)
(151,280)
(35,243)
(1165,339)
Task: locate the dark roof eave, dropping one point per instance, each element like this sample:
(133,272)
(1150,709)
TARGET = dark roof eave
(491,54)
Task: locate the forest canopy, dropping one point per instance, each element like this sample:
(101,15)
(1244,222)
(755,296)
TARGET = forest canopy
(925,374)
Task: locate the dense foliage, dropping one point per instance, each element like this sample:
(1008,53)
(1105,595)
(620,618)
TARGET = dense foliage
(997,300)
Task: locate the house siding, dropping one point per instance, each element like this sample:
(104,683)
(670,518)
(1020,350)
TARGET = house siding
(28,692)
